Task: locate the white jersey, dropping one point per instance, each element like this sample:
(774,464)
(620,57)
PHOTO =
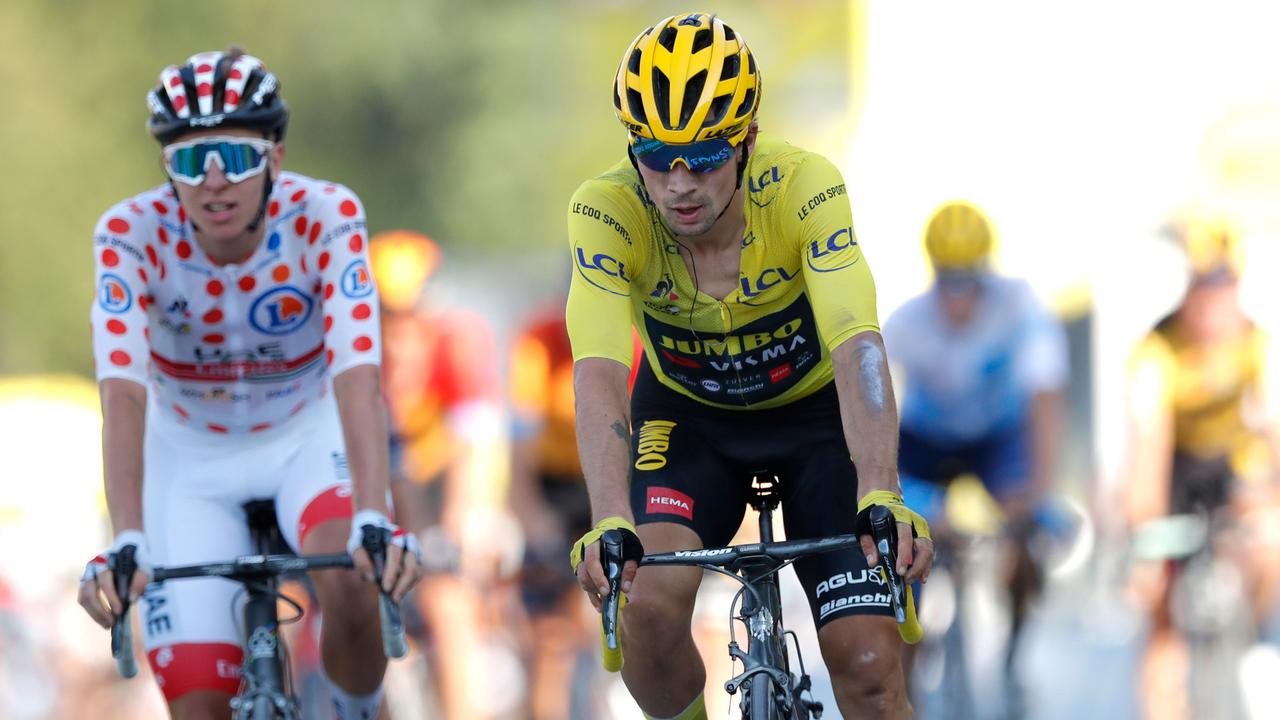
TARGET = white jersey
(961,384)
(243,346)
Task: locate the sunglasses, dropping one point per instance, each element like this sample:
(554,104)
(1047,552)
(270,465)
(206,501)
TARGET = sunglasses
(700,157)
(239,158)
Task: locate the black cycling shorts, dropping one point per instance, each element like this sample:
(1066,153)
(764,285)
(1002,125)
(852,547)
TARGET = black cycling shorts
(1200,484)
(693,464)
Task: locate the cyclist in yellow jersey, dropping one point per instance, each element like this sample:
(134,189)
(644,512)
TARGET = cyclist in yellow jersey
(1203,438)
(734,256)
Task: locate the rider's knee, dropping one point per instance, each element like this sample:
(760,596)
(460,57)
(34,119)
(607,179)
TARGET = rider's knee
(866,669)
(656,619)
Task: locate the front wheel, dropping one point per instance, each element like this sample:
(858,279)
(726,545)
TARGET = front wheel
(760,702)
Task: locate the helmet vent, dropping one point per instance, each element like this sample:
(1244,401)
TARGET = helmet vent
(662,92)
(617,100)
(719,107)
(732,65)
(636,103)
(728,33)
(701,40)
(668,39)
(748,102)
(692,93)
(633,63)
(751,64)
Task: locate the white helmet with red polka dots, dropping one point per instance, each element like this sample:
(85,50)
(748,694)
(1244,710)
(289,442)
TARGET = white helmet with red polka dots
(216,89)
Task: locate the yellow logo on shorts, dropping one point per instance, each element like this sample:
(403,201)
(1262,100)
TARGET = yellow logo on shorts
(655,438)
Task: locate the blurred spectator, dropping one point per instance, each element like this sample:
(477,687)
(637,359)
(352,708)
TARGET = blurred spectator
(981,369)
(443,393)
(1203,441)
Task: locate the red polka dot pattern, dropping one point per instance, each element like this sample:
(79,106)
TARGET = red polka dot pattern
(110,258)
(274,208)
(356,243)
(160,207)
(214,288)
(298,408)
(300,226)
(153,258)
(259,427)
(247,283)
(181,411)
(280,273)
(328,322)
(348,208)
(213,338)
(361,311)
(183,249)
(213,316)
(328,356)
(328,291)
(163,235)
(115,327)
(142,273)
(118,225)
(298,195)
(324,260)
(214,427)
(315,233)
(363,343)
(120,358)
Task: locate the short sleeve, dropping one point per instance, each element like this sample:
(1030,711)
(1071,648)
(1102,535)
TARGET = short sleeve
(123,268)
(836,273)
(349,300)
(598,313)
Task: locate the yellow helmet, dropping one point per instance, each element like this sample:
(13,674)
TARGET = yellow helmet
(959,236)
(1212,246)
(402,261)
(688,78)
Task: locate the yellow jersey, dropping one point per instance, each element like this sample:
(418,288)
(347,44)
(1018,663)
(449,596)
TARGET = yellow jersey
(804,286)
(1206,388)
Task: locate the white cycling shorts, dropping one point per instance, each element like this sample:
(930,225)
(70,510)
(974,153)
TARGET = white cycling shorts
(194,489)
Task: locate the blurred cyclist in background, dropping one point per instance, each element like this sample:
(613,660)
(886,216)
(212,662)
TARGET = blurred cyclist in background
(444,396)
(1203,439)
(981,368)
(549,496)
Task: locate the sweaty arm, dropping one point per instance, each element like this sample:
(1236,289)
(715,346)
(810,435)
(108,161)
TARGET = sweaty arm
(868,410)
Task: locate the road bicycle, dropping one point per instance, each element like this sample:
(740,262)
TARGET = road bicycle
(266,692)
(771,689)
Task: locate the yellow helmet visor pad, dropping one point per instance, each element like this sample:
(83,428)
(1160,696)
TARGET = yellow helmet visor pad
(700,157)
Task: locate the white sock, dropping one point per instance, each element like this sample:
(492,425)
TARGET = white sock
(351,707)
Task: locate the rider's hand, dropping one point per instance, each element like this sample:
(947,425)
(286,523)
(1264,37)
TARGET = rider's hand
(915,545)
(97,594)
(586,562)
(403,565)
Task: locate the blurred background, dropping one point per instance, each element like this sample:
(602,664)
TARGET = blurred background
(1082,130)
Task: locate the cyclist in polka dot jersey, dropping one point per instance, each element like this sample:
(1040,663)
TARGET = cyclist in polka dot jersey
(268,328)
(236,334)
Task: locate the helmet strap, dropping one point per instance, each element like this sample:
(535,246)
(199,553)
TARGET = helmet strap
(262,207)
